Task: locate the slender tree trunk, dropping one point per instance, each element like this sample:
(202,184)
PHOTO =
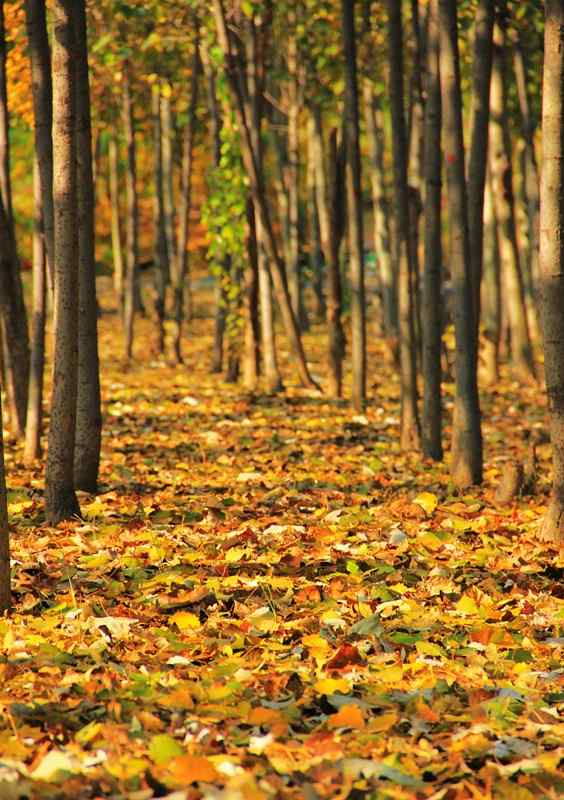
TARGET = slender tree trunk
(258,193)
(161,241)
(60,498)
(551,254)
(219,327)
(117,250)
(181,273)
(466,451)
(354,209)
(502,176)
(5,588)
(132,219)
(478,162)
(316,252)
(250,306)
(34,420)
(432,276)
(329,184)
(88,404)
(491,294)
(167,134)
(530,185)
(292,169)
(375,133)
(409,425)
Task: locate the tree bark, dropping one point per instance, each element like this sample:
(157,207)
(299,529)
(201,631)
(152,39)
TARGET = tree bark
(34,420)
(5,588)
(167,133)
(466,450)
(432,276)
(354,209)
(314,232)
(409,424)
(551,254)
(491,294)
(117,250)
(161,250)
(250,306)
(258,193)
(478,162)
(181,274)
(40,56)
(88,405)
(132,218)
(502,177)
(60,498)
(387,279)
(292,170)
(5,181)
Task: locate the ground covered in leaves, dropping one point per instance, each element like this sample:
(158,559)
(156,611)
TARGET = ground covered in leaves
(269,600)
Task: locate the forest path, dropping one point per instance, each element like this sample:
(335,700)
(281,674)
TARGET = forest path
(267,599)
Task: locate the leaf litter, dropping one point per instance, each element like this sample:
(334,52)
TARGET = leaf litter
(268,600)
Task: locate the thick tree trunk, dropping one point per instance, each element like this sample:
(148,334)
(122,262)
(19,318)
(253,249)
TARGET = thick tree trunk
(181,274)
(161,242)
(60,498)
(5,181)
(34,420)
(432,275)
(466,450)
(551,254)
(88,410)
(409,425)
(478,162)
(354,209)
(491,290)
(132,218)
(260,200)
(40,56)
(382,248)
(5,588)
(117,250)
(502,177)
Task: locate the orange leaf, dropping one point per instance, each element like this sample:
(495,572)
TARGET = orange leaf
(346,656)
(348,716)
(189,769)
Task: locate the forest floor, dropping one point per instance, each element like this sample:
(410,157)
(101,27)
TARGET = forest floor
(268,600)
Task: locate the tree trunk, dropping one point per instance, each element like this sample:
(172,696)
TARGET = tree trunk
(466,450)
(551,254)
(354,209)
(477,165)
(316,252)
(530,185)
(388,289)
(250,306)
(432,276)
(161,250)
(60,498)
(40,56)
(292,170)
(88,411)
(34,420)
(5,588)
(409,424)
(132,219)
(117,250)
(167,134)
(258,193)
(491,294)
(502,177)
(5,181)
(181,274)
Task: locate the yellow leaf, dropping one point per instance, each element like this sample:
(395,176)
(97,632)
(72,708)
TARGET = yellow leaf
(235,554)
(466,605)
(427,501)
(390,674)
(428,649)
(349,716)
(332,685)
(185,620)
(383,722)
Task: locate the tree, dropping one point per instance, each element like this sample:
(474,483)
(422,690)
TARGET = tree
(88,412)
(431,317)
(409,424)
(466,450)
(551,254)
(354,208)
(132,217)
(60,497)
